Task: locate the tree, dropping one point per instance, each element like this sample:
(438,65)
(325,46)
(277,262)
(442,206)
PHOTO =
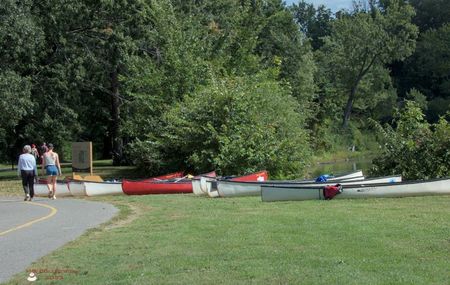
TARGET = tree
(281,44)
(92,47)
(20,45)
(430,14)
(314,23)
(234,125)
(428,69)
(414,148)
(366,41)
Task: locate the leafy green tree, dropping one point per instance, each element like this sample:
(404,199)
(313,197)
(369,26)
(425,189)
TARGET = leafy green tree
(430,14)
(315,23)
(153,86)
(280,43)
(235,125)
(92,47)
(415,149)
(20,45)
(416,96)
(428,70)
(365,42)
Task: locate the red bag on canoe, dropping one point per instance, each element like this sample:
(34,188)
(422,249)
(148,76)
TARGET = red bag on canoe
(330,191)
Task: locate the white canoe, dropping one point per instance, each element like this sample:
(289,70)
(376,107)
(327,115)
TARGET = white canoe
(103,188)
(196,188)
(385,190)
(41,189)
(241,189)
(77,188)
(211,188)
(199,185)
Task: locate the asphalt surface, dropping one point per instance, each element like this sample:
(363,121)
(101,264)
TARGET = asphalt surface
(29,231)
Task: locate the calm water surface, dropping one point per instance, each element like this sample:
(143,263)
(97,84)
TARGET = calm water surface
(340,167)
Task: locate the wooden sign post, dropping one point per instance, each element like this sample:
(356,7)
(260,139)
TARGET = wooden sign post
(82,157)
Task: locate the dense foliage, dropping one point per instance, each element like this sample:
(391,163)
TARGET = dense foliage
(235,85)
(234,125)
(415,148)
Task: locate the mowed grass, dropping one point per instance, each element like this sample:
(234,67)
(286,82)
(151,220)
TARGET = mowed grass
(183,239)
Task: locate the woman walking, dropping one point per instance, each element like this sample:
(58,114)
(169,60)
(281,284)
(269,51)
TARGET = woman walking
(35,152)
(50,162)
(28,171)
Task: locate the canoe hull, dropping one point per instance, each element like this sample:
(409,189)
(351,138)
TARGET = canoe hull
(77,188)
(199,187)
(41,189)
(196,187)
(103,188)
(394,190)
(242,189)
(146,188)
(165,177)
(212,186)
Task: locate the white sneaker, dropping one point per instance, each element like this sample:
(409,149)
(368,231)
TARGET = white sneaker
(54,197)
(27,197)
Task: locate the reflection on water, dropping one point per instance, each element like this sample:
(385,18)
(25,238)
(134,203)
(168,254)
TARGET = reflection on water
(339,167)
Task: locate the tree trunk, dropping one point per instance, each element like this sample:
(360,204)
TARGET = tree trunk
(107,147)
(348,108)
(115,119)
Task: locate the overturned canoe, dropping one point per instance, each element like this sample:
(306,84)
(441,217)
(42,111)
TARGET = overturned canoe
(242,189)
(383,190)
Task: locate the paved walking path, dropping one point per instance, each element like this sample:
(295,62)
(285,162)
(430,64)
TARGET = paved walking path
(30,230)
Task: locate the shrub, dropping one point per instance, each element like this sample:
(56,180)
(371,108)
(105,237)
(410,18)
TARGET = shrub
(415,148)
(235,125)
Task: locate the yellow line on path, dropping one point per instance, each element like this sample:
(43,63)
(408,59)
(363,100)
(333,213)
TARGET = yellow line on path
(52,213)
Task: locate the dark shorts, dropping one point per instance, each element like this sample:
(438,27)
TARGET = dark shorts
(51,170)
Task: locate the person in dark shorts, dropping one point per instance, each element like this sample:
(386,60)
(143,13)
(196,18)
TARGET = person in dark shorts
(28,171)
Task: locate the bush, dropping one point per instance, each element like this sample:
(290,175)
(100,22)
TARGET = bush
(235,125)
(414,149)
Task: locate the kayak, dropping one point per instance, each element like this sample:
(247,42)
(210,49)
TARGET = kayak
(270,193)
(241,189)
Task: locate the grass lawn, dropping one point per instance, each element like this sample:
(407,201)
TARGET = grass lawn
(183,239)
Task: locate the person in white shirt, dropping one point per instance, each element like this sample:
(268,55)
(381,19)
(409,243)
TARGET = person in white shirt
(27,169)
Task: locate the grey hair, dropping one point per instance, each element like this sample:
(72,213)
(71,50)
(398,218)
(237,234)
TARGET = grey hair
(27,149)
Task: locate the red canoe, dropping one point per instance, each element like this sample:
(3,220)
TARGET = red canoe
(257,176)
(174,175)
(172,186)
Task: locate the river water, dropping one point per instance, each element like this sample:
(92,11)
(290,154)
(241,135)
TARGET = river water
(340,167)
